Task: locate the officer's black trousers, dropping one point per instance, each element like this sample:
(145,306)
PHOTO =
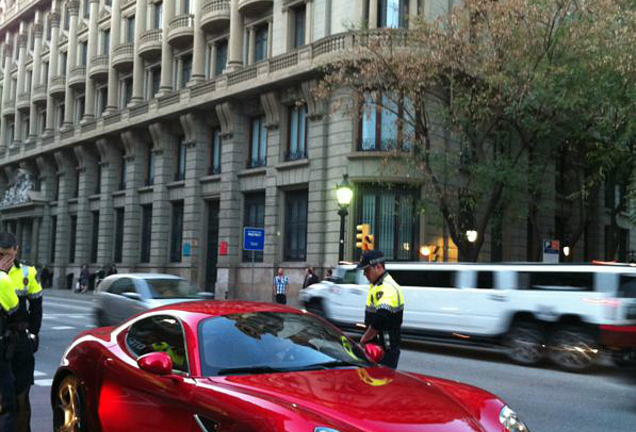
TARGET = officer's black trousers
(391,358)
(23,368)
(8,403)
(23,416)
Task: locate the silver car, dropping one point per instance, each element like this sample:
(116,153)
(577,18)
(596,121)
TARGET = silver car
(121,296)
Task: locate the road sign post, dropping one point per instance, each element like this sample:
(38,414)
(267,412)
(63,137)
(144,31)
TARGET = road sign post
(253,240)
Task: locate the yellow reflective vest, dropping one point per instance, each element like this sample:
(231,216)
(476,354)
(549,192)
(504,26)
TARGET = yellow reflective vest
(384,311)
(8,298)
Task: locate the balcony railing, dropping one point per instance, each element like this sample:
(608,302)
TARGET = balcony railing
(180,21)
(150,43)
(215,15)
(123,56)
(39,93)
(99,67)
(181,30)
(77,76)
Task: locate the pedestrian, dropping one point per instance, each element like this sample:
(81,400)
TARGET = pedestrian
(310,277)
(329,275)
(112,269)
(8,306)
(281,282)
(25,323)
(384,308)
(84,277)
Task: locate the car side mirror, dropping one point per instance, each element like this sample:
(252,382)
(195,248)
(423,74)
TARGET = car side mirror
(375,353)
(132,295)
(156,363)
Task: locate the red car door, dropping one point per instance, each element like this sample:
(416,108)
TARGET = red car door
(132,399)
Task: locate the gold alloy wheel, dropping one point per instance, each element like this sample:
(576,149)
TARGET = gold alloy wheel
(69,406)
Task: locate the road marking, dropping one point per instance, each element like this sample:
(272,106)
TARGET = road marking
(62,328)
(38,374)
(44,382)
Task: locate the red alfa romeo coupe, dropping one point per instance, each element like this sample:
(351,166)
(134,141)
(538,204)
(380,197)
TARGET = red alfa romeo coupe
(252,367)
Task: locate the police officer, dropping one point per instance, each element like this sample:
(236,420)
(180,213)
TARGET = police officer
(25,323)
(8,306)
(384,308)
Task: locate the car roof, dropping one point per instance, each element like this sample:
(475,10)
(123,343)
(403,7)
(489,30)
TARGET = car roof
(506,266)
(146,276)
(220,308)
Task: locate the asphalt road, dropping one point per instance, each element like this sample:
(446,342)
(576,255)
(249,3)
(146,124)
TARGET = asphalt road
(548,400)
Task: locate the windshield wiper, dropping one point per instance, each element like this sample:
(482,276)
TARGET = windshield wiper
(331,364)
(249,370)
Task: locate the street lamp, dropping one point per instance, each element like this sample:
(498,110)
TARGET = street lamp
(344,194)
(471,235)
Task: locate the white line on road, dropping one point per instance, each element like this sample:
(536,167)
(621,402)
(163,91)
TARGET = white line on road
(44,382)
(38,374)
(62,328)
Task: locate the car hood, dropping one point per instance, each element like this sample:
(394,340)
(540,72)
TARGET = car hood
(365,399)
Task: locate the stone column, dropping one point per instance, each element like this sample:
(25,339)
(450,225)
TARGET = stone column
(6,93)
(213,51)
(141,9)
(198,51)
(413,9)
(47,174)
(235,44)
(230,222)
(87,165)
(134,145)
(54,22)
(167,57)
(38,31)
(273,242)
(251,46)
(309,19)
(89,106)
(373,14)
(197,135)
(66,170)
(110,157)
(164,147)
(113,75)
(22,44)
(69,101)
(35,237)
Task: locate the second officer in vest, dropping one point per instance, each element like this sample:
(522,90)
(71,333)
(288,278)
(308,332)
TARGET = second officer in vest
(25,323)
(8,307)
(384,308)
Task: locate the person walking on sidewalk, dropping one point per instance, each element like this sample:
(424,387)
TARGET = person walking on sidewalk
(281,283)
(25,323)
(84,277)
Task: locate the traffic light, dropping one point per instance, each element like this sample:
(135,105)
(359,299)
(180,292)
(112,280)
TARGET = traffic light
(364,240)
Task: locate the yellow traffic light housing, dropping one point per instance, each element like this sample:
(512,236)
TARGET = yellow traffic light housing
(364,240)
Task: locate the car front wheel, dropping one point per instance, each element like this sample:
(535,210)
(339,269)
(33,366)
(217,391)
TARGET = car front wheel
(68,412)
(525,344)
(573,349)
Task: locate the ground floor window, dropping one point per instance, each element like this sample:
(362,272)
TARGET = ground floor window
(391,213)
(254,217)
(296,226)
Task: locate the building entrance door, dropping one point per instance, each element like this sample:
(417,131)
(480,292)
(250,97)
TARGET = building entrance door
(212,245)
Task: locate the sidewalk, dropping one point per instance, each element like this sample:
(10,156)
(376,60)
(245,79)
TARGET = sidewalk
(65,293)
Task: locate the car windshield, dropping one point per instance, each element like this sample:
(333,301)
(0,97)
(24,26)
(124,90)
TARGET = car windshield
(266,342)
(171,288)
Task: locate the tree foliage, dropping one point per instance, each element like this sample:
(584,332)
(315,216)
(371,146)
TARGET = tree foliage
(486,96)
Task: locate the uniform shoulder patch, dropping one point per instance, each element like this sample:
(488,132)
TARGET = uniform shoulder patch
(378,295)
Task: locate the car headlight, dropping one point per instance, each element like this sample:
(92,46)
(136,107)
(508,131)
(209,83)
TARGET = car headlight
(325,429)
(511,421)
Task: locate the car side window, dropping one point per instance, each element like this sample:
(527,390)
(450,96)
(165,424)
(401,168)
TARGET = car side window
(424,278)
(556,281)
(350,277)
(121,286)
(627,287)
(159,333)
(485,280)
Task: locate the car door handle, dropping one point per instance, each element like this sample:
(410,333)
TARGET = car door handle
(498,297)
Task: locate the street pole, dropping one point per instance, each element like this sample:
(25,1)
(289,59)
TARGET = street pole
(343,213)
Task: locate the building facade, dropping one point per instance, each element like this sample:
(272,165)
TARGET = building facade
(150,133)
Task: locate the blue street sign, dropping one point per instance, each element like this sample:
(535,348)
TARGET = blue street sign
(186,249)
(253,239)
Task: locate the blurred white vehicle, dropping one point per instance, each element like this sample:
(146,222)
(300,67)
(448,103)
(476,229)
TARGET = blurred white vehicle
(563,312)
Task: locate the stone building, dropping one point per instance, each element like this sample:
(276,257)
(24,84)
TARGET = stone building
(150,133)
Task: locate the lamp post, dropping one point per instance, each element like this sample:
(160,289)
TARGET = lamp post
(344,194)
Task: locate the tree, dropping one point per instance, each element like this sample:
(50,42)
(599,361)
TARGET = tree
(490,92)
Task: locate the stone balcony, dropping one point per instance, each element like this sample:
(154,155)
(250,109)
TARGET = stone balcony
(39,95)
(124,57)
(24,102)
(98,69)
(77,77)
(253,8)
(215,16)
(150,44)
(181,31)
(57,86)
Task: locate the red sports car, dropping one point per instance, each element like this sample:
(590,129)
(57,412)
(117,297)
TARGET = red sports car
(252,367)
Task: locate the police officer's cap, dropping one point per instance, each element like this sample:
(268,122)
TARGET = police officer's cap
(371,258)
